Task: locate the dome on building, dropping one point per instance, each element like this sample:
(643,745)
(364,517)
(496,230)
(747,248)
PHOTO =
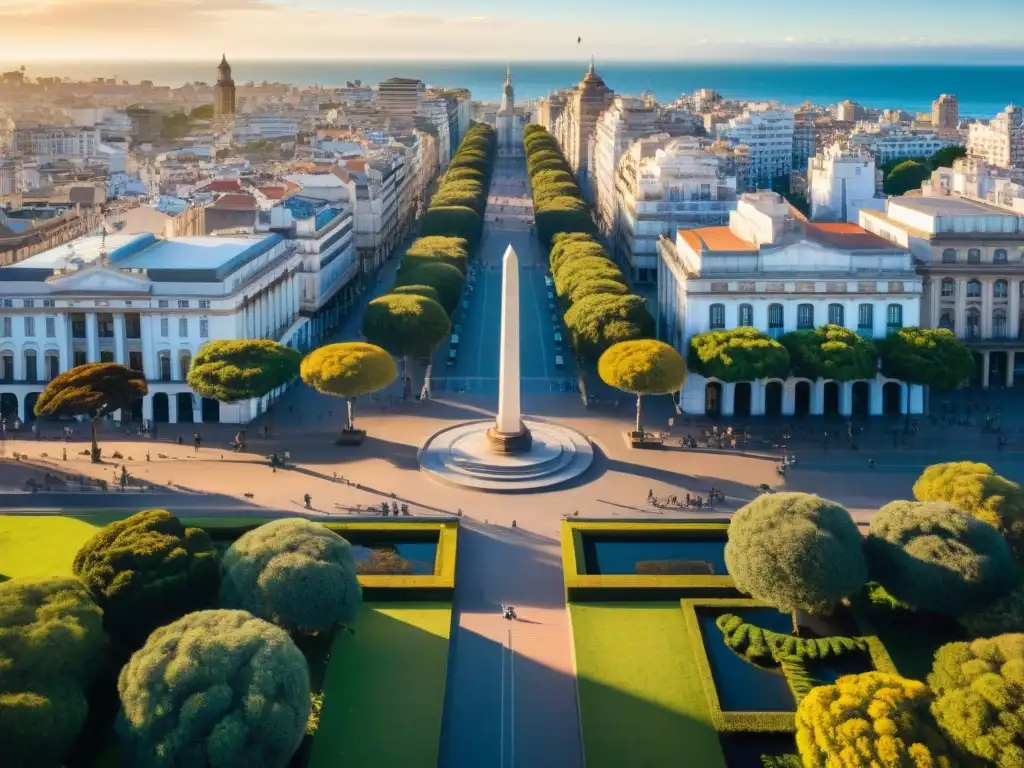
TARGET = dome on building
(591,79)
(224,68)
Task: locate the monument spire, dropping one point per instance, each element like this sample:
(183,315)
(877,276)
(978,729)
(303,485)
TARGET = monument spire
(509,434)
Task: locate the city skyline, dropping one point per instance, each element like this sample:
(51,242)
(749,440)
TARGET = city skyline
(304,29)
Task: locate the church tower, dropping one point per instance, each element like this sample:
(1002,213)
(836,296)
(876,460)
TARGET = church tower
(224,91)
(508,94)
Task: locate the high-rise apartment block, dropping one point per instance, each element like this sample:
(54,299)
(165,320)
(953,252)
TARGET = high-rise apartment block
(1000,141)
(945,114)
(769,136)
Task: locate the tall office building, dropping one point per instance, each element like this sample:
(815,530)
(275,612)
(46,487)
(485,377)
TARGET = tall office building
(945,114)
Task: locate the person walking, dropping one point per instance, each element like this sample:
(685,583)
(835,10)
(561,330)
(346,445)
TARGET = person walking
(196,441)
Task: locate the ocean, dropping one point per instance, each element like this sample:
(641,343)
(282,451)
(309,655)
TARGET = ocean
(981,90)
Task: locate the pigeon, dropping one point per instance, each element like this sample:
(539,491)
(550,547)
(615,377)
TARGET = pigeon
(579,40)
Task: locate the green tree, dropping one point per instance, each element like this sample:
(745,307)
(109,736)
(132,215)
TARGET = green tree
(930,356)
(871,719)
(426,291)
(563,214)
(233,370)
(447,280)
(406,325)
(93,390)
(294,573)
(453,221)
(597,322)
(570,247)
(831,352)
(575,272)
(202,112)
(979,696)
(348,370)
(740,354)
(461,192)
(427,250)
(464,173)
(146,570)
(1003,615)
(52,646)
(935,557)
(797,551)
(215,688)
(905,177)
(978,490)
(595,286)
(944,157)
(548,178)
(645,367)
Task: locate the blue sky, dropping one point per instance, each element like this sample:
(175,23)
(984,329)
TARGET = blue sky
(982,31)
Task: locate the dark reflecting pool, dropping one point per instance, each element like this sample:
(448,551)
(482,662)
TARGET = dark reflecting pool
(654,555)
(744,750)
(828,671)
(742,686)
(396,557)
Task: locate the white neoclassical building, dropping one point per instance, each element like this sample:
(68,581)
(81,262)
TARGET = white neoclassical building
(773,270)
(150,304)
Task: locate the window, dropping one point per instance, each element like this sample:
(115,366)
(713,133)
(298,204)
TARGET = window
(49,303)
(835,314)
(164,323)
(7,328)
(974,256)
(999,257)
(746,315)
(866,320)
(186,363)
(30,326)
(204,303)
(999,324)
(31,373)
(946,320)
(893,318)
(164,359)
(51,327)
(52,367)
(948,287)
(805,316)
(182,303)
(973,324)
(183,327)
(80,357)
(28,303)
(949,256)
(204,328)
(775,320)
(717,316)
(973,288)
(8,302)
(162,303)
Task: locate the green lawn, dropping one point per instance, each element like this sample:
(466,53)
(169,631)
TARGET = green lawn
(641,698)
(37,547)
(384,688)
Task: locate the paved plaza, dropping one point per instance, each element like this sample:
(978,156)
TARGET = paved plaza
(511,696)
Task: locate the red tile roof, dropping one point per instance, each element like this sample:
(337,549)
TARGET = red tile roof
(236,202)
(273,193)
(715,239)
(849,237)
(223,185)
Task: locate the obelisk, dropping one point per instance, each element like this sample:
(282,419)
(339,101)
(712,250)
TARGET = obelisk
(509,434)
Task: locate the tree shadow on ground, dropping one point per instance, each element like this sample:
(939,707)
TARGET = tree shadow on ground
(736,493)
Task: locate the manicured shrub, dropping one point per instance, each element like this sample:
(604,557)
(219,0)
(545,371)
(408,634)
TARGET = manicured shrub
(764,645)
(740,354)
(872,719)
(426,291)
(979,697)
(147,570)
(460,192)
(831,352)
(571,246)
(453,221)
(229,370)
(978,490)
(796,551)
(936,558)
(574,272)
(599,321)
(295,573)
(52,645)
(426,250)
(598,285)
(406,325)
(1005,614)
(216,688)
(447,280)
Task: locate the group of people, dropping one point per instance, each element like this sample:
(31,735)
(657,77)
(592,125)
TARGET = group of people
(393,508)
(687,502)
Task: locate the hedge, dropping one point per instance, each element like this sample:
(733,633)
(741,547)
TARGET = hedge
(761,645)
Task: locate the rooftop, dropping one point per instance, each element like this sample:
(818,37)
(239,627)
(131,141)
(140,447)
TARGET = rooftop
(195,252)
(716,239)
(85,249)
(235,203)
(847,237)
(947,206)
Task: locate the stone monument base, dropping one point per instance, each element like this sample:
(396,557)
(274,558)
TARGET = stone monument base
(463,455)
(502,442)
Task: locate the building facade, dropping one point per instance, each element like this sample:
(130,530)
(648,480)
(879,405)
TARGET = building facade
(1000,141)
(224,91)
(575,126)
(898,144)
(625,121)
(772,270)
(769,136)
(52,142)
(147,303)
(971,258)
(974,179)
(945,114)
(842,180)
(664,184)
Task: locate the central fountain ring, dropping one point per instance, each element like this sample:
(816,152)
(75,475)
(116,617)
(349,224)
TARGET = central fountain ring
(509,453)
